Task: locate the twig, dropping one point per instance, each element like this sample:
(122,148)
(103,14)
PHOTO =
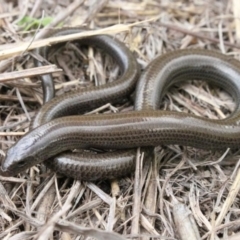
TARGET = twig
(60,17)
(4,77)
(197,35)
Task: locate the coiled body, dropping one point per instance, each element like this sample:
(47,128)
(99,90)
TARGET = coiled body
(146,126)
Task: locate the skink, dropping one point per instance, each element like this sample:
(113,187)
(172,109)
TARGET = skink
(146,126)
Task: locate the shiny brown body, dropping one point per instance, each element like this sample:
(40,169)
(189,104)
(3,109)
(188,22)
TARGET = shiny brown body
(146,126)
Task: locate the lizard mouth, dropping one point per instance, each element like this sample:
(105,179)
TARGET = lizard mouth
(5,172)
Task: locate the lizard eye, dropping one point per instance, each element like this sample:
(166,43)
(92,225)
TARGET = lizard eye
(21,163)
(24,162)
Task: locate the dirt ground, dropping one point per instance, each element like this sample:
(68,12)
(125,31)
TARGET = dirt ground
(183,192)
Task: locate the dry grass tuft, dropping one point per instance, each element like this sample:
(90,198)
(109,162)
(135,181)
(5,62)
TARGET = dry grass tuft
(183,193)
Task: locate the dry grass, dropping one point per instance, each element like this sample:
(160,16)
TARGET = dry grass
(183,193)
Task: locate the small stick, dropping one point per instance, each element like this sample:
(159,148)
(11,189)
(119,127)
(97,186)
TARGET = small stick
(4,77)
(197,35)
